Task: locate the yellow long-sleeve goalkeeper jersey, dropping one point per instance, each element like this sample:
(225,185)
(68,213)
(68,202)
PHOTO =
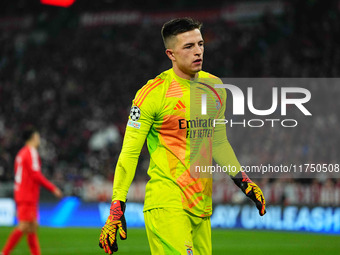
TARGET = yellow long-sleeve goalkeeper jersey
(180,140)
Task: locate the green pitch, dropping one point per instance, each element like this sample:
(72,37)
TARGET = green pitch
(83,241)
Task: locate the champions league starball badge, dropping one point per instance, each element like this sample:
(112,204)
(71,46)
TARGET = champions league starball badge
(135,113)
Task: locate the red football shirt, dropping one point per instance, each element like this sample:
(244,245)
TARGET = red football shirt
(28,176)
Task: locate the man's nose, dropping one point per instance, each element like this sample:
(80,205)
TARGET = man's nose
(198,50)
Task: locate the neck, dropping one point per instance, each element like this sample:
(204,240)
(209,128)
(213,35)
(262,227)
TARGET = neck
(31,144)
(183,75)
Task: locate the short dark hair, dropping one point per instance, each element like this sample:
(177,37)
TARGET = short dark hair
(28,133)
(178,26)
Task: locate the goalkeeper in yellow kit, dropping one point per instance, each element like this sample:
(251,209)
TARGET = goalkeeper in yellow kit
(178,202)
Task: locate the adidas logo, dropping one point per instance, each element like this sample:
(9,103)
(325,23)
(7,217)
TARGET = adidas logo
(179,105)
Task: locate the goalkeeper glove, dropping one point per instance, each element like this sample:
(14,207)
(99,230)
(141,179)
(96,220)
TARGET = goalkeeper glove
(251,190)
(115,221)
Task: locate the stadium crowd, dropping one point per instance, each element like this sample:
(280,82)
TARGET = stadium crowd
(76,83)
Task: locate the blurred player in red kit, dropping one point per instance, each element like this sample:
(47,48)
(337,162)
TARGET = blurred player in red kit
(28,179)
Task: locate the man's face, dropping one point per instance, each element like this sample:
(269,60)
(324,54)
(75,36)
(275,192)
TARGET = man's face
(188,51)
(36,139)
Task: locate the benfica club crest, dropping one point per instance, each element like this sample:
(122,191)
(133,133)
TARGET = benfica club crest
(218,104)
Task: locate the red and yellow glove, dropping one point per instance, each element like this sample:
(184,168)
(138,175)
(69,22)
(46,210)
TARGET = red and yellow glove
(115,221)
(251,190)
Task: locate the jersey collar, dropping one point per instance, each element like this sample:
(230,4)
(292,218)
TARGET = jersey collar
(181,80)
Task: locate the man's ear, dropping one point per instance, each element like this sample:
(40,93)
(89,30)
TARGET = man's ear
(170,54)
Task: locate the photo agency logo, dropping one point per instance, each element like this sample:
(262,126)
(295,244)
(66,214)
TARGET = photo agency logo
(288,96)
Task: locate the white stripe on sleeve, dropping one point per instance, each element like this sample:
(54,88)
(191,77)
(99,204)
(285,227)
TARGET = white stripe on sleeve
(35,159)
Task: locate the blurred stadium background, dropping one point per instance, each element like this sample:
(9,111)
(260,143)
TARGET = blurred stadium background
(74,71)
